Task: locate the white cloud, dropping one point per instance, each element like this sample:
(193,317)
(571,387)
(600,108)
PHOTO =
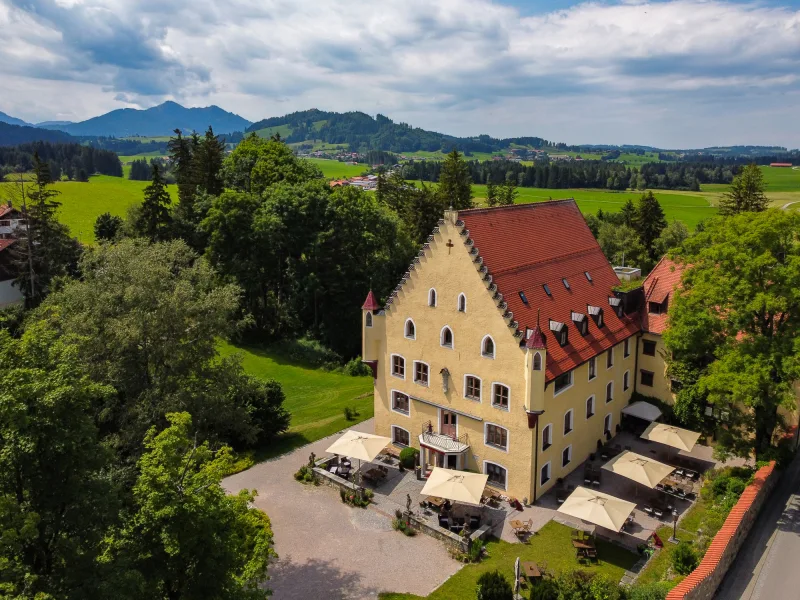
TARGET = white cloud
(663,73)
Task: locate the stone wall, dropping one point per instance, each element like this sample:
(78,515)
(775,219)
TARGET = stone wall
(702,583)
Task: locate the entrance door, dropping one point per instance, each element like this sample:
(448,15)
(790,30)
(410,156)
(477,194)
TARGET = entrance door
(449,424)
(452,461)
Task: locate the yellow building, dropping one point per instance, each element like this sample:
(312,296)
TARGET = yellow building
(504,349)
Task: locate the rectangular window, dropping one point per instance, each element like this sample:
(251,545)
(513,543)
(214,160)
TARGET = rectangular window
(400,436)
(592,368)
(400,403)
(545,476)
(399,366)
(648,348)
(497,475)
(500,396)
(472,388)
(627,348)
(562,382)
(497,436)
(647,378)
(547,437)
(607,424)
(568,422)
(625,384)
(654,308)
(421,373)
(590,407)
(566,456)
(609,392)
(610,358)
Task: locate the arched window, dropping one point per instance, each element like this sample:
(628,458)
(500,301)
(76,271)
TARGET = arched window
(462,303)
(411,330)
(368,320)
(432,297)
(537,362)
(447,337)
(487,347)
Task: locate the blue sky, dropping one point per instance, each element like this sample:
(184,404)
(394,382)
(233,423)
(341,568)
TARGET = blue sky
(669,73)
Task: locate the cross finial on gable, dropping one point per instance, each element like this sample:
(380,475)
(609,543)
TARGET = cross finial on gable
(449,245)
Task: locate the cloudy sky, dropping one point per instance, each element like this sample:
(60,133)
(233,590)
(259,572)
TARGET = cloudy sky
(675,73)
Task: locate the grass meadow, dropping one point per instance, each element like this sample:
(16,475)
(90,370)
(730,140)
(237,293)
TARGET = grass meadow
(333,169)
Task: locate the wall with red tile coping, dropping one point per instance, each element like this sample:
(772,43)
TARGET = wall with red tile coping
(702,583)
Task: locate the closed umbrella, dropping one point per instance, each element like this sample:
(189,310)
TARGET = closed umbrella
(682,439)
(359,445)
(516,576)
(598,508)
(639,468)
(458,486)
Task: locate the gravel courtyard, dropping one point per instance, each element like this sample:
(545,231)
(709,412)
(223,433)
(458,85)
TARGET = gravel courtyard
(329,550)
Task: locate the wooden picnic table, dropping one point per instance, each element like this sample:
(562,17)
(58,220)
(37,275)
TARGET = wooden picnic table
(583,544)
(516,525)
(435,501)
(530,570)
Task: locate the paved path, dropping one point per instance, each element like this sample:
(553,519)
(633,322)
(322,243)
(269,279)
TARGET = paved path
(768,565)
(331,551)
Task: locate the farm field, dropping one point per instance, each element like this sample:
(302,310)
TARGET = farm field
(156,138)
(333,169)
(783,186)
(127,159)
(315,398)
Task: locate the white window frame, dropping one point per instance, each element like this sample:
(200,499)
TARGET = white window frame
(405,329)
(489,482)
(610,383)
(435,298)
(626,381)
(545,466)
(391,366)
(568,449)
(498,406)
(458,303)
(566,387)
(594,406)
(589,363)
(571,413)
(368,319)
(396,443)
(391,403)
(464,389)
(550,445)
(452,336)
(414,373)
(494,347)
(486,436)
(610,352)
(610,418)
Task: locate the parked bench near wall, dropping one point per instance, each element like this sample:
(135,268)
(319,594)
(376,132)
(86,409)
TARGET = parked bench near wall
(702,583)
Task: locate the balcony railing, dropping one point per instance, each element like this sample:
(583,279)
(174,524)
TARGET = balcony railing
(443,441)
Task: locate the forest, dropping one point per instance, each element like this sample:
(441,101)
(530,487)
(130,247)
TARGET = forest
(74,161)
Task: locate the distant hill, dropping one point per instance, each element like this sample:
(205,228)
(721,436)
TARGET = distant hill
(11,135)
(4,118)
(157,121)
(52,124)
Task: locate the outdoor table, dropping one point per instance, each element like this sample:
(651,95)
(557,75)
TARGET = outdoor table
(516,525)
(530,570)
(583,544)
(435,501)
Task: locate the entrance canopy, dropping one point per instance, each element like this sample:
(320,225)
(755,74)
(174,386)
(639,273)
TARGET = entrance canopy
(598,508)
(641,469)
(642,410)
(683,439)
(358,445)
(459,486)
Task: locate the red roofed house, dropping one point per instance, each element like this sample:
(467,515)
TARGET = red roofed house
(504,348)
(9,293)
(11,219)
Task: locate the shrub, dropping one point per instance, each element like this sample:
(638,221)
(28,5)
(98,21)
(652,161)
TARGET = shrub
(306,475)
(684,559)
(475,551)
(719,486)
(357,368)
(493,586)
(343,495)
(312,352)
(408,457)
(405,527)
(736,486)
(650,591)
(350,413)
(545,589)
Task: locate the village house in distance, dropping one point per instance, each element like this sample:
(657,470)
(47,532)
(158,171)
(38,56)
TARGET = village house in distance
(505,349)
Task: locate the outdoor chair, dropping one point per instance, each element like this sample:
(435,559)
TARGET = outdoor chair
(444,522)
(648,510)
(561,496)
(658,513)
(587,475)
(526,526)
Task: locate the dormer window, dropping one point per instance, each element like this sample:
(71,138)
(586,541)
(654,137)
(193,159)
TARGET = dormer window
(411,330)
(596,313)
(581,323)
(560,330)
(658,308)
(616,305)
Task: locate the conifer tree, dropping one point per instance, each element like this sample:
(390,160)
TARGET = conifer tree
(649,222)
(491,193)
(455,182)
(746,193)
(508,193)
(208,162)
(628,213)
(180,150)
(154,216)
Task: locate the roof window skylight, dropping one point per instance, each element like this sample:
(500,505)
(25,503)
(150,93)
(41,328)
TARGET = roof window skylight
(546,289)
(523,297)
(588,277)
(565,282)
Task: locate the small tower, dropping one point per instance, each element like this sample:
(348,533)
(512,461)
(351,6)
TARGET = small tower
(372,330)
(535,369)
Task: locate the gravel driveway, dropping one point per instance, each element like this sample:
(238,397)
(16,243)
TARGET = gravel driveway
(329,550)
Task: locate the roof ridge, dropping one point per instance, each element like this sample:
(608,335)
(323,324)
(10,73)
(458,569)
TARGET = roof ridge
(480,209)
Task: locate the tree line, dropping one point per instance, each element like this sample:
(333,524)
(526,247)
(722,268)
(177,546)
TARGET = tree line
(73,161)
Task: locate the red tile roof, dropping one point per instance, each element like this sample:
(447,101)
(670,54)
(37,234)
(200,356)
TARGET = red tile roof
(371,303)
(6,209)
(6,243)
(525,246)
(658,285)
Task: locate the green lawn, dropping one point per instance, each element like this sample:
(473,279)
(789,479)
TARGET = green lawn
(333,169)
(315,398)
(126,159)
(284,130)
(551,545)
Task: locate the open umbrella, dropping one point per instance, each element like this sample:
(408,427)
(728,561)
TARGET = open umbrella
(639,468)
(682,439)
(359,445)
(598,508)
(458,486)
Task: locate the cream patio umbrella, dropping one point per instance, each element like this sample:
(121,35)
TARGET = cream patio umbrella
(458,486)
(598,508)
(359,445)
(641,469)
(682,439)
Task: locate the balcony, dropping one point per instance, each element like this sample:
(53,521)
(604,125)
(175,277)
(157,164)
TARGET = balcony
(443,442)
